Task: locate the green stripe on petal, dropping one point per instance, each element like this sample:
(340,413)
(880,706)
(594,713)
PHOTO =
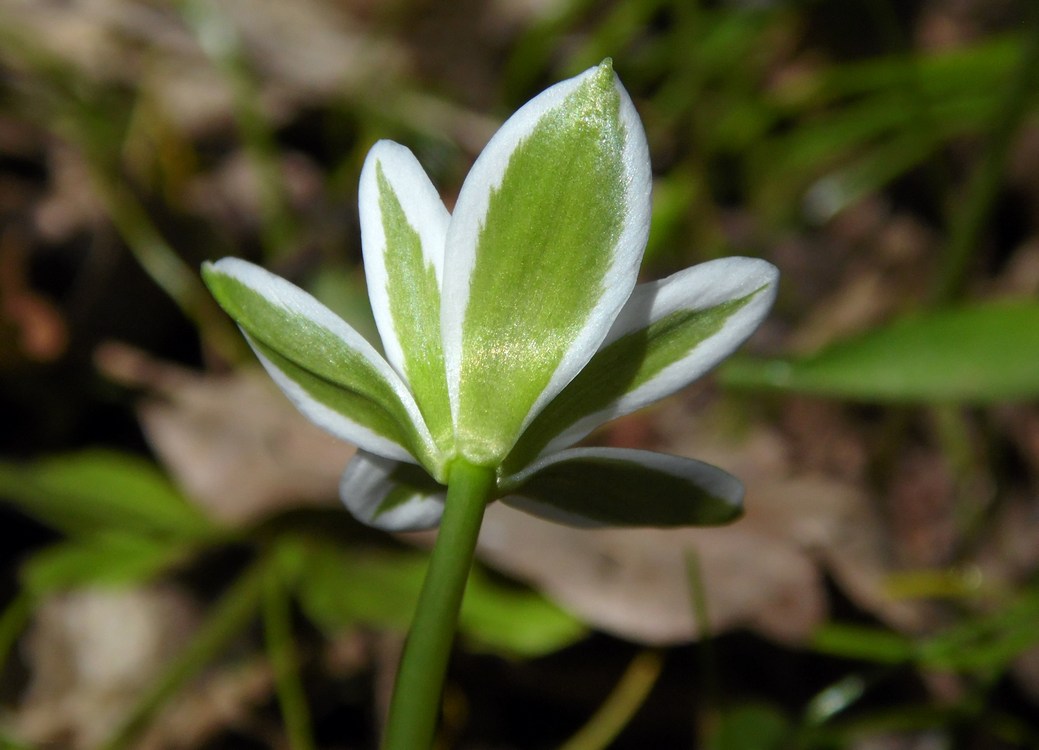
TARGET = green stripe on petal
(343,412)
(391,496)
(545,244)
(591,487)
(330,372)
(403,225)
(670,333)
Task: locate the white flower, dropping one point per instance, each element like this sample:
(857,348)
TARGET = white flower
(512,327)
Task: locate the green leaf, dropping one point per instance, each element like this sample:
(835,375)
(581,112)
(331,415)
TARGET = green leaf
(751,727)
(862,642)
(106,559)
(544,247)
(986,643)
(620,487)
(99,491)
(979,354)
(862,124)
(990,642)
(341,588)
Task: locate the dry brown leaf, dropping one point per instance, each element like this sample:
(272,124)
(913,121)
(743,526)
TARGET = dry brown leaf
(828,514)
(765,572)
(220,699)
(91,653)
(635,583)
(301,51)
(234,443)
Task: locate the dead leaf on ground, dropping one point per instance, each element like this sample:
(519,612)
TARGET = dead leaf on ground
(765,572)
(91,653)
(220,699)
(822,506)
(234,443)
(302,51)
(634,583)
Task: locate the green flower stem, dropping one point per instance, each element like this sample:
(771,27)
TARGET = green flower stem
(415,705)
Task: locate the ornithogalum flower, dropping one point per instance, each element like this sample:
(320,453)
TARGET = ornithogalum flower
(511,327)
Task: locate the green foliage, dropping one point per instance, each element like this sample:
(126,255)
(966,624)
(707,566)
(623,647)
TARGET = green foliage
(110,559)
(751,727)
(985,644)
(341,588)
(977,354)
(736,117)
(871,122)
(97,492)
(127,525)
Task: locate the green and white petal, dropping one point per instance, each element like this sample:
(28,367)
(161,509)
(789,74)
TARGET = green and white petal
(403,226)
(592,487)
(669,334)
(324,366)
(544,248)
(390,495)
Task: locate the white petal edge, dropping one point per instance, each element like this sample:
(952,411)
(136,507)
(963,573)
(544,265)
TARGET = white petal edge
(331,421)
(285,294)
(699,287)
(425,212)
(713,479)
(366,483)
(472,205)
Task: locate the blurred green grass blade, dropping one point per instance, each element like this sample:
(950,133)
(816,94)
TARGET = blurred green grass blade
(845,186)
(979,354)
(230,615)
(95,119)
(106,559)
(980,66)
(970,219)
(991,642)
(338,589)
(863,642)
(751,727)
(219,39)
(99,491)
(979,644)
(880,118)
(9,743)
(620,707)
(285,660)
(13,621)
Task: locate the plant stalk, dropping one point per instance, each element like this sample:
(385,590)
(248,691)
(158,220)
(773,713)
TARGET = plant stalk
(230,616)
(281,649)
(415,705)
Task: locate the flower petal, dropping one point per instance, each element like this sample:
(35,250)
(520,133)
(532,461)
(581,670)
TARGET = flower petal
(544,248)
(403,226)
(323,365)
(669,333)
(591,487)
(391,496)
